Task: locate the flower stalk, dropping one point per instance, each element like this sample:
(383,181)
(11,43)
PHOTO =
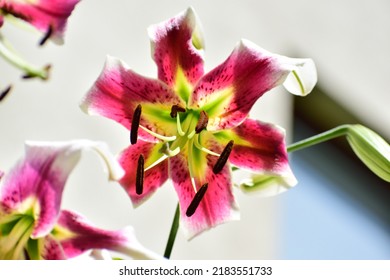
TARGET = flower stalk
(371,148)
(319,138)
(172,233)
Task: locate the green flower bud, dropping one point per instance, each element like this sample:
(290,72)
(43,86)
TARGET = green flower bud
(372,149)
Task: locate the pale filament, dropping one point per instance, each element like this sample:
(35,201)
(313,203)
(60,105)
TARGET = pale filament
(159,136)
(203,149)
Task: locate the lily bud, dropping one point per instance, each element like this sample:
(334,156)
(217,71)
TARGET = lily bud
(371,148)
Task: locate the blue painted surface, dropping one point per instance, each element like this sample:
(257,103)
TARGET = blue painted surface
(322,221)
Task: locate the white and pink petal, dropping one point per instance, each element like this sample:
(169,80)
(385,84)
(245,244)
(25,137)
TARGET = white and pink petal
(177,48)
(228,92)
(258,146)
(153,178)
(118,91)
(218,204)
(268,184)
(77,235)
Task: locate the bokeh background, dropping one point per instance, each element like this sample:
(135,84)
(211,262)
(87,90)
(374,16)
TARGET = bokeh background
(348,40)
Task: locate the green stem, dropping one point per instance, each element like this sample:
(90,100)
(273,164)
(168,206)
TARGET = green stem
(319,138)
(173,233)
(30,71)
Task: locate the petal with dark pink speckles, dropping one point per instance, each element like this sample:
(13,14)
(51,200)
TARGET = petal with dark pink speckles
(218,204)
(43,14)
(177,49)
(77,235)
(119,90)
(228,92)
(153,178)
(258,146)
(51,249)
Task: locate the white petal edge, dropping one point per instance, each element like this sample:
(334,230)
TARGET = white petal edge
(303,76)
(268,184)
(111,63)
(134,249)
(112,166)
(159,29)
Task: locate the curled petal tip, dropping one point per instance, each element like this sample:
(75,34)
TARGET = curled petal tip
(265,185)
(302,78)
(197,36)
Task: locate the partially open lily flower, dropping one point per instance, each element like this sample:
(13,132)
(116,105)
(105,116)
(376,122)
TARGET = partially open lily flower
(48,16)
(190,126)
(32,225)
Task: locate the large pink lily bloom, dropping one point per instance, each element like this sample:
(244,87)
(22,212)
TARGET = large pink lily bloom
(32,225)
(48,16)
(191,126)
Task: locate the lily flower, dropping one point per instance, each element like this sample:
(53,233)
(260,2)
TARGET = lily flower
(48,16)
(32,225)
(191,126)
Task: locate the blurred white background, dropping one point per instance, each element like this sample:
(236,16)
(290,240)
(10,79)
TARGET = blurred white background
(348,40)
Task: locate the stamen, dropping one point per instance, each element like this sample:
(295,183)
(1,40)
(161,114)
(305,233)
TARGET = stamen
(196,200)
(139,179)
(190,135)
(5,92)
(191,165)
(223,157)
(167,151)
(44,74)
(157,162)
(175,109)
(47,35)
(203,149)
(135,124)
(158,136)
(202,122)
